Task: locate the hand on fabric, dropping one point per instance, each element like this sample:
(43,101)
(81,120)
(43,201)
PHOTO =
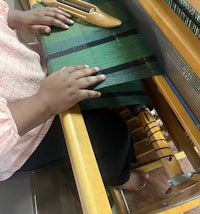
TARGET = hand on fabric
(57,93)
(39,20)
(63,89)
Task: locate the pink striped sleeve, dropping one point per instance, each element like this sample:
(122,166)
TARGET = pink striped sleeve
(8,129)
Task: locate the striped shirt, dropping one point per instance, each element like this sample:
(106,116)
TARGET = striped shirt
(20,77)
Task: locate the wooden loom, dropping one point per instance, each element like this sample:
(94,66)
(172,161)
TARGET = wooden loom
(89,183)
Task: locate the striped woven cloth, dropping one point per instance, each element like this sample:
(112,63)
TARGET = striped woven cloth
(119,52)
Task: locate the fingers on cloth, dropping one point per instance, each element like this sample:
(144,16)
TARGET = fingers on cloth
(56,19)
(50,16)
(85,94)
(86,76)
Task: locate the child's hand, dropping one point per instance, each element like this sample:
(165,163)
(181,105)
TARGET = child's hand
(63,89)
(39,20)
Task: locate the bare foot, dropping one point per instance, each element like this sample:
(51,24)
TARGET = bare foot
(136,182)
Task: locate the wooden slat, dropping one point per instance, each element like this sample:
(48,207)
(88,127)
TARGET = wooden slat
(157,164)
(179,111)
(87,176)
(183,207)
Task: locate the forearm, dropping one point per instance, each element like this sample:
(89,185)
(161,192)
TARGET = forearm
(28,113)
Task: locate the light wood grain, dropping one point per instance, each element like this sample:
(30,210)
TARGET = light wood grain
(195,4)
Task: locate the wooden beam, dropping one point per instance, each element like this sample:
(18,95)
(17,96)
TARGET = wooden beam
(179,111)
(157,164)
(90,186)
(181,37)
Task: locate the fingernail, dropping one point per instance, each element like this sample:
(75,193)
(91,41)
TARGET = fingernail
(66,26)
(96,68)
(87,66)
(47,29)
(103,76)
(71,21)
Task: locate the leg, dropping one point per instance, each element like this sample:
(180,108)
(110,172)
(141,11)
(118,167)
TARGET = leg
(110,139)
(136,182)
(113,146)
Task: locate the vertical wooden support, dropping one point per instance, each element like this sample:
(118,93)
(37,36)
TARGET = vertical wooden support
(90,186)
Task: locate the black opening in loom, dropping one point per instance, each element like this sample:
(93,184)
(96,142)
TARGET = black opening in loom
(87,10)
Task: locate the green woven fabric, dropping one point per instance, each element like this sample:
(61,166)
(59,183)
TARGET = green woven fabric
(119,52)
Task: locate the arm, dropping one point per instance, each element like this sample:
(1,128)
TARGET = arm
(39,20)
(58,92)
